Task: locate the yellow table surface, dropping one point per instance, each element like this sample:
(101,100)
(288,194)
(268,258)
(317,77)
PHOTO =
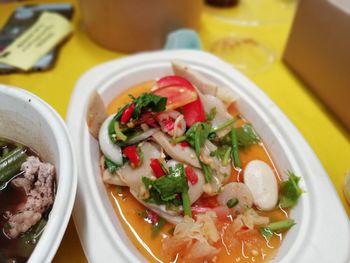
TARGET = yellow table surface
(329,140)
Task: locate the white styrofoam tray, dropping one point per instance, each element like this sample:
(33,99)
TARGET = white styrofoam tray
(322,233)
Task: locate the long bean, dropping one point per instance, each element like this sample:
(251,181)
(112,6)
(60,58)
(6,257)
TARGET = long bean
(10,165)
(33,234)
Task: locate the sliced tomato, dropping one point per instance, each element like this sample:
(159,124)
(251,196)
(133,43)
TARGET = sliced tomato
(194,112)
(177,96)
(173,80)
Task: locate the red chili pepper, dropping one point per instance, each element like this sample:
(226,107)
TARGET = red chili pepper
(127,113)
(148,118)
(131,153)
(184,144)
(156,168)
(153,217)
(192,177)
(193,112)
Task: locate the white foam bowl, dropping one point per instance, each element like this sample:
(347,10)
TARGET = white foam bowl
(322,232)
(27,119)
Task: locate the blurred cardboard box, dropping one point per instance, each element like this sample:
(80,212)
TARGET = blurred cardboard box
(318,50)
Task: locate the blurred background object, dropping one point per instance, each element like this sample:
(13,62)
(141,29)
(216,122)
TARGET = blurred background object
(133,25)
(318,51)
(251,12)
(22,18)
(250,25)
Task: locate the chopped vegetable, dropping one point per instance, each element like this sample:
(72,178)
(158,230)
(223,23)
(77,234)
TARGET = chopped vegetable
(220,152)
(111,166)
(10,165)
(118,133)
(207,172)
(157,168)
(131,152)
(33,235)
(176,96)
(173,80)
(191,175)
(194,112)
(149,101)
(121,111)
(197,135)
(246,136)
(276,227)
(166,188)
(235,155)
(290,191)
(211,114)
(232,202)
(223,125)
(127,113)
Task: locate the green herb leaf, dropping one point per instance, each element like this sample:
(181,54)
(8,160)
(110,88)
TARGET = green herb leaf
(290,191)
(246,136)
(266,233)
(198,133)
(211,115)
(166,188)
(157,227)
(150,101)
(220,152)
(111,166)
(276,227)
(232,202)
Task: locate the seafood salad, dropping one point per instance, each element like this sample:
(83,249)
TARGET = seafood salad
(189,177)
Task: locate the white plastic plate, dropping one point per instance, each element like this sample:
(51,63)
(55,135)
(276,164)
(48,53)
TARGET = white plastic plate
(322,233)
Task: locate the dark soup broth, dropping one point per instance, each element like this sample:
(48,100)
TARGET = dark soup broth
(24,177)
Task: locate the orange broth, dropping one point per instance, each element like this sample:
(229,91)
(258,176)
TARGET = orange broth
(243,246)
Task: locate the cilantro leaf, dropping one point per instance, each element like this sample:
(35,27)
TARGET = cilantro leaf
(197,134)
(150,101)
(111,166)
(246,136)
(220,152)
(169,186)
(290,191)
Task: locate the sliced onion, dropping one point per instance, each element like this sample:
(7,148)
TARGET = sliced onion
(142,136)
(108,148)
